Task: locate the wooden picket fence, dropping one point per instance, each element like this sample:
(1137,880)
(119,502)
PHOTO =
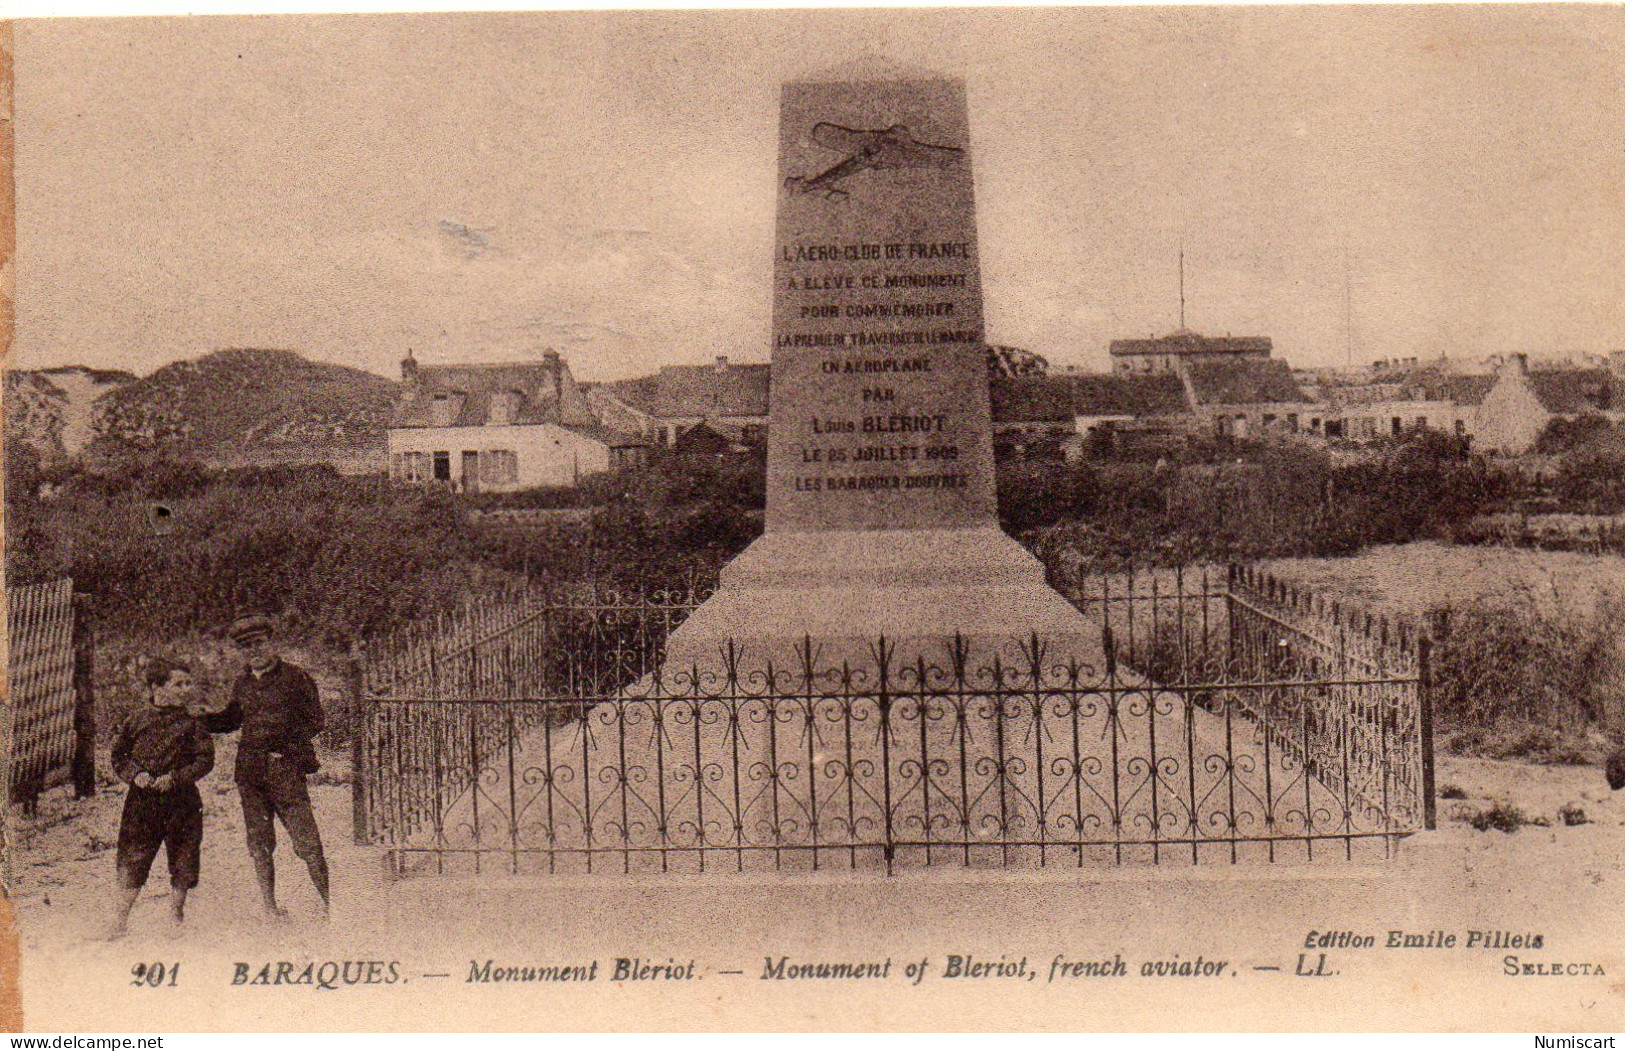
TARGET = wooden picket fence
(49,721)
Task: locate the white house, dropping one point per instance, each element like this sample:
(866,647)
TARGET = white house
(497,427)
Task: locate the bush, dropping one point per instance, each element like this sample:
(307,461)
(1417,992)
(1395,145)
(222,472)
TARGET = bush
(343,558)
(1565,435)
(1503,817)
(1511,680)
(1272,501)
(1591,478)
(336,557)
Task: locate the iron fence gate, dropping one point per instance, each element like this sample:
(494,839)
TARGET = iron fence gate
(1215,717)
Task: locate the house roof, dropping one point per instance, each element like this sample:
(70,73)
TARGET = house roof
(704,440)
(722,389)
(1462,390)
(1571,392)
(468,392)
(1187,342)
(1035,399)
(1030,399)
(696,391)
(1162,395)
(1242,382)
(1427,382)
(639,393)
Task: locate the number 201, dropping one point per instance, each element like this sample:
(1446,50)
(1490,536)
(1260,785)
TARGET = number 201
(154,975)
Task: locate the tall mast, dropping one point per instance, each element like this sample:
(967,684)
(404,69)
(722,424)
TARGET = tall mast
(1348,307)
(1182,286)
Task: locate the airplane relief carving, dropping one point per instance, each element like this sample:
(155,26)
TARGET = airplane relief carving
(892,147)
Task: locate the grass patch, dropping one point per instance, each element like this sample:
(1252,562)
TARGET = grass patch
(1528,681)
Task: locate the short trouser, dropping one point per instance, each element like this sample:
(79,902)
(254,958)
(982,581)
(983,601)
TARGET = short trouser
(275,791)
(172,820)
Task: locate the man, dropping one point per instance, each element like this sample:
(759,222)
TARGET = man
(276,706)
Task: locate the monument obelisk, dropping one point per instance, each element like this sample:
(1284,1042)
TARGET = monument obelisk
(881,511)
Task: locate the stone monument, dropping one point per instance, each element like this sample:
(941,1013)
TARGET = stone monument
(881,511)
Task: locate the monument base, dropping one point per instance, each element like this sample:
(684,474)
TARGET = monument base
(845,589)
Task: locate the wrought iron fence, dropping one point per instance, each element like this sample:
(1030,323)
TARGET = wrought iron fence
(1207,716)
(517,645)
(1338,660)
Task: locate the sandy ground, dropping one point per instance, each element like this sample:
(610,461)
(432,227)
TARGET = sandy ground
(1560,882)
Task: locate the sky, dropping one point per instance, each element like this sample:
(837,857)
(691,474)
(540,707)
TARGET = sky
(1360,183)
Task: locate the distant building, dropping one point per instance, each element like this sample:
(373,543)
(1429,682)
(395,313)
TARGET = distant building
(1401,398)
(1036,414)
(702,440)
(1243,397)
(498,427)
(731,400)
(1504,410)
(1521,404)
(1166,353)
(1013,361)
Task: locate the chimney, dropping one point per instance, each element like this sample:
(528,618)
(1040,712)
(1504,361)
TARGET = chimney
(555,369)
(722,363)
(1513,365)
(409,368)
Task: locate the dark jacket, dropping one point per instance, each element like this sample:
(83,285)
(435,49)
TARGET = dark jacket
(161,741)
(279,714)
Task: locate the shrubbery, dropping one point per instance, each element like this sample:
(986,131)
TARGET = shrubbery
(1591,478)
(1515,681)
(1276,501)
(1503,817)
(341,558)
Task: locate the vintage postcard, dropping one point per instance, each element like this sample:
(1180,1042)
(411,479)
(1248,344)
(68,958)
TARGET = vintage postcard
(1087,518)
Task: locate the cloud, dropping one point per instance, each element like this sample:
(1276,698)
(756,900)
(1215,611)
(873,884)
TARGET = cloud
(470,240)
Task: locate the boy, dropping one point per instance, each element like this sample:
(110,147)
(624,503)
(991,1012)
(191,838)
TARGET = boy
(161,751)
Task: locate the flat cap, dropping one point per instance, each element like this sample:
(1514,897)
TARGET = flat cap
(251,628)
